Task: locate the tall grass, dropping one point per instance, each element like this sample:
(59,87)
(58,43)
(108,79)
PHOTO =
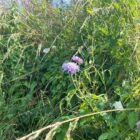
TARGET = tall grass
(35,92)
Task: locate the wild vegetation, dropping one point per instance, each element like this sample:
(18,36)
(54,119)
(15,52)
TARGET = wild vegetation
(95,98)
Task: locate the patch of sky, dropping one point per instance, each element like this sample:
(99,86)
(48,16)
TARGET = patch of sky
(55,3)
(59,3)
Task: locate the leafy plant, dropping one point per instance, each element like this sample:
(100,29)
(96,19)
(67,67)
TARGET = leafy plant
(34,90)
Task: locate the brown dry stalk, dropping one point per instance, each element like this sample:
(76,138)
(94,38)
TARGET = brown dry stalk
(36,133)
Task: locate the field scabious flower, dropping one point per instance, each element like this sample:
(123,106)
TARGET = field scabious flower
(70,67)
(77,59)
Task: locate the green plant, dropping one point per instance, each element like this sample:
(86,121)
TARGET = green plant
(35,92)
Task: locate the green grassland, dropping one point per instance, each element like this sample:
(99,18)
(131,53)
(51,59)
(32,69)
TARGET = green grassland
(37,94)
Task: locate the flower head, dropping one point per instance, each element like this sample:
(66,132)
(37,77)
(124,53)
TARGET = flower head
(77,59)
(70,67)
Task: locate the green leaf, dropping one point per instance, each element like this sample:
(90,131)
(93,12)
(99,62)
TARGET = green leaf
(62,132)
(108,135)
(132,119)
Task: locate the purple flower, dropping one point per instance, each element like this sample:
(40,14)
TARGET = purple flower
(77,59)
(70,67)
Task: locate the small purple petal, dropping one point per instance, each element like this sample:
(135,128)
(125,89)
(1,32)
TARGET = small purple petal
(70,67)
(77,59)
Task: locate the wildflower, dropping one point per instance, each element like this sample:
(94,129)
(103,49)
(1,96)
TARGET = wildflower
(118,105)
(70,67)
(77,59)
(46,50)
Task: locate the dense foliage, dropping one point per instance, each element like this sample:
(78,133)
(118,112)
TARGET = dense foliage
(36,92)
